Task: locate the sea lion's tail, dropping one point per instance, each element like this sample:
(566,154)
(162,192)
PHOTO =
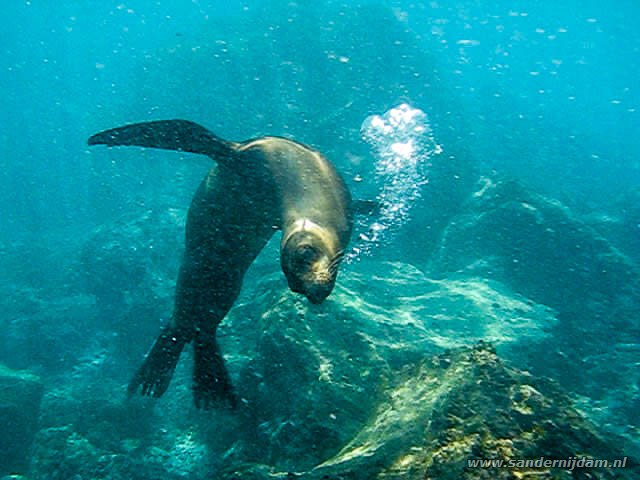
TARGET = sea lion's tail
(181,135)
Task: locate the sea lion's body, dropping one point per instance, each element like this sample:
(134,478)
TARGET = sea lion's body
(256,188)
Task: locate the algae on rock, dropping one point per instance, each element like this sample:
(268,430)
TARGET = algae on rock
(457,407)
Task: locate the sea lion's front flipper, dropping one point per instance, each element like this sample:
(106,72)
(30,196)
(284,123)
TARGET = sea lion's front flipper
(366,207)
(181,135)
(156,371)
(211,381)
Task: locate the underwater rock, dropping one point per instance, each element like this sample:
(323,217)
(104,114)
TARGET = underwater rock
(129,256)
(130,266)
(456,407)
(539,248)
(311,377)
(536,245)
(339,390)
(311,374)
(620,223)
(48,320)
(47,333)
(59,453)
(95,408)
(104,437)
(20,396)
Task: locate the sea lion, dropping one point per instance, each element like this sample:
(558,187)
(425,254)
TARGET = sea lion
(255,188)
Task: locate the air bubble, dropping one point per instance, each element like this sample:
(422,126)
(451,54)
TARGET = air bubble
(404,146)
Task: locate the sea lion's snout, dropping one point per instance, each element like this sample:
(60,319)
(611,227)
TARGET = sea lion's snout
(318,293)
(315,289)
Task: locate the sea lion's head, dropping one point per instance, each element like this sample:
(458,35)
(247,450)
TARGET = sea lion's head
(310,261)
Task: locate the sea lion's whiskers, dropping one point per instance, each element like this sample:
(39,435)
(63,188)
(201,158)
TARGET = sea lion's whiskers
(335,261)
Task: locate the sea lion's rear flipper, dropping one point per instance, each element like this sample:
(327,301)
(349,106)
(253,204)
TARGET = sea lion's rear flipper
(155,373)
(181,135)
(211,381)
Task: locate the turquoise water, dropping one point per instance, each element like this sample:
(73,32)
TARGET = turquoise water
(560,78)
(499,141)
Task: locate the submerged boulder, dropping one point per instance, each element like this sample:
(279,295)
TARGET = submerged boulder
(536,245)
(343,390)
(20,396)
(49,334)
(347,389)
(128,257)
(437,417)
(620,223)
(311,374)
(60,453)
(130,266)
(539,248)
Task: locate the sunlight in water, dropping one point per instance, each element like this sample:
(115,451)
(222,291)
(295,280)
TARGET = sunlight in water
(403,146)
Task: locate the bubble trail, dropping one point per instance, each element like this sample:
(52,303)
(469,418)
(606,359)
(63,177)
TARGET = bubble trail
(404,146)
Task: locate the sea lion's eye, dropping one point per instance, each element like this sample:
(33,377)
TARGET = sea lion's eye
(306,254)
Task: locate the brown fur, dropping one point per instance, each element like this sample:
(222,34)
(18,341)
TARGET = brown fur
(257,187)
